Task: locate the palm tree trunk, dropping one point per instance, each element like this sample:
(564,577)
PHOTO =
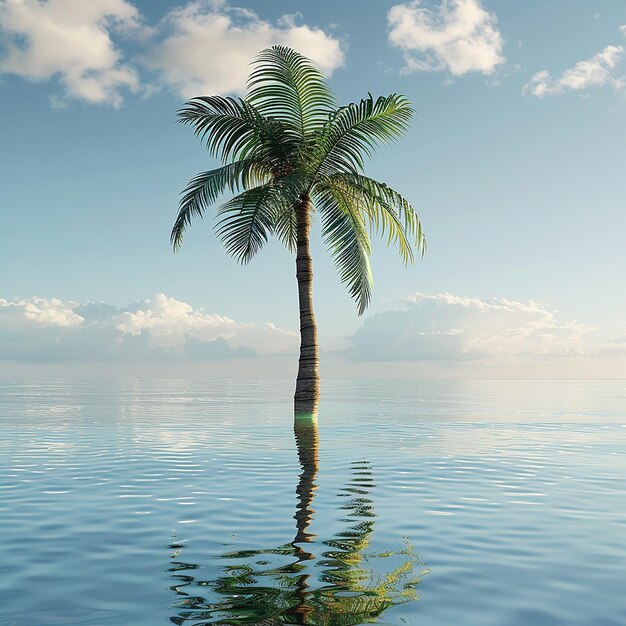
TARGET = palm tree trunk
(307,382)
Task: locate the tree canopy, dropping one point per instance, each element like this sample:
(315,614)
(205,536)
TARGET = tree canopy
(286,147)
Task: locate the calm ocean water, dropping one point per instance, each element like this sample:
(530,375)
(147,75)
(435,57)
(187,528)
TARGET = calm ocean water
(465,503)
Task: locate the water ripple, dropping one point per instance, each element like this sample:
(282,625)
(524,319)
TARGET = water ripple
(118,497)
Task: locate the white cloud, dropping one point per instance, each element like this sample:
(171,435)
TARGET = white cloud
(594,72)
(445,327)
(69,40)
(460,36)
(427,336)
(170,322)
(39,313)
(203,47)
(206,47)
(157,328)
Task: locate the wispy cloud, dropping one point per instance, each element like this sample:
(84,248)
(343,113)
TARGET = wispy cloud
(70,40)
(460,36)
(593,72)
(598,71)
(155,329)
(206,47)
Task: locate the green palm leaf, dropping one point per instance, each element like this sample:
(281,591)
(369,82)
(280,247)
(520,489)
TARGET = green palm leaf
(347,238)
(204,189)
(357,129)
(246,221)
(233,129)
(389,213)
(289,87)
(285,227)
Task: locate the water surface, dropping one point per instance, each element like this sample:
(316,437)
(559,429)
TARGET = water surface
(152,502)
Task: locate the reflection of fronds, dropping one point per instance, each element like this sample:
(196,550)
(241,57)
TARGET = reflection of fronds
(271,586)
(251,594)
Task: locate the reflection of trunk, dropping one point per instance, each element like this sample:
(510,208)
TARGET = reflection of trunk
(307,383)
(307,442)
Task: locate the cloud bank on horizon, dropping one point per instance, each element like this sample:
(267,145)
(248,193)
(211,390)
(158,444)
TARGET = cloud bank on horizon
(154,329)
(445,327)
(441,329)
(101,51)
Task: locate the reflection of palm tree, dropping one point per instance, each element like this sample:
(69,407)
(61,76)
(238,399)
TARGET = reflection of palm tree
(277,585)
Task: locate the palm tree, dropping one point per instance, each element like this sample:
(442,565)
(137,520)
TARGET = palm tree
(288,151)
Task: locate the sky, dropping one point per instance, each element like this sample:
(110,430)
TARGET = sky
(514,161)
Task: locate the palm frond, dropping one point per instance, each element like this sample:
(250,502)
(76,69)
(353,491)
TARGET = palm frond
(233,128)
(285,227)
(388,212)
(354,131)
(246,220)
(204,189)
(346,234)
(289,87)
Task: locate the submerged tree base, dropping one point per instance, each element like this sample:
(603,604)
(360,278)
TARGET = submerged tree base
(305,413)
(306,398)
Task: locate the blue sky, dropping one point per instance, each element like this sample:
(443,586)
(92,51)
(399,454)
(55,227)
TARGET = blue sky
(515,162)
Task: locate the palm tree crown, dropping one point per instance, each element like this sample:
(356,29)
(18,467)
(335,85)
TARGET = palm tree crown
(287,149)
